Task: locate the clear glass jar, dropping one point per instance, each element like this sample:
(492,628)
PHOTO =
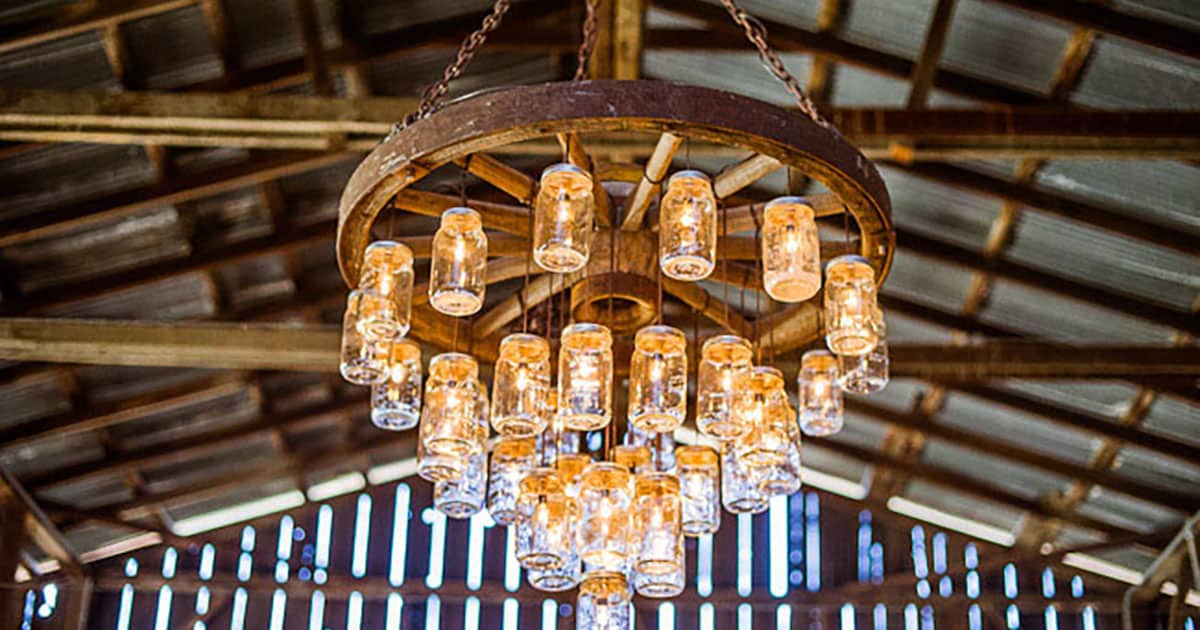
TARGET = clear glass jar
(387,277)
(512,459)
(434,467)
(850,305)
(740,484)
(821,404)
(699,471)
(658,379)
(362,361)
(791,250)
(521,386)
(867,373)
(723,360)
(604,602)
(570,467)
(658,522)
(762,405)
(562,219)
(636,458)
(563,578)
(545,533)
(687,227)
(463,497)
(604,509)
(454,420)
(785,478)
(585,373)
(458,264)
(396,403)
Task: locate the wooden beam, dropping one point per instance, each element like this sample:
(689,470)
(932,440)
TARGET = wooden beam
(700,299)
(224,40)
(508,310)
(314,47)
(517,184)
(653,177)
(1037,360)
(514,220)
(72,21)
(1180,554)
(931,53)
(39,530)
(628,25)
(744,173)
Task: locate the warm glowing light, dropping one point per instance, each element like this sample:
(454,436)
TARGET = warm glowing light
(740,492)
(463,497)
(396,403)
(604,512)
(604,602)
(821,404)
(562,223)
(658,522)
(361,361)
(458,263)
(723,360)
(687,227)
(699,473)
(760,403)
(521,386)
(386,284)
(867,373)
(850,306)
(585,365)
(791,251)
(658,379)
(512,459)
(634,457)
(453,423)
(545,533)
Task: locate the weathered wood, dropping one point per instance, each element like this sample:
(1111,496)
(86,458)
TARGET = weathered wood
(514,220)
(577,154)
(744,173)
(696,297)
(795,326)
(71,21)
(539,290)
(1177,556)
(314,47)
(651,181)
(39,530)
(1033,359)
(517,184)
(931,53)
(216,19)
(628,26)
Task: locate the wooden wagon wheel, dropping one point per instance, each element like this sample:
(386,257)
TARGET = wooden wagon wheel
(464,131)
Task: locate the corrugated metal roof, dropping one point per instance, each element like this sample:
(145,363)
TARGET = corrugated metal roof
(991,41)
(1125,74)
(1019,429)
(172,49)
(70,63)
(1161,191)
(1107,400)
(939,211)
(1019,480)
(1042,314)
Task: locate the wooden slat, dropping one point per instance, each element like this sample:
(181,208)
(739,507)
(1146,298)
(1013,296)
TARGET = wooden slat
(577,154)
(38,528)
(314,47)
(512,181)
(931,53)
(1039,360)
(509,310)
(628,25)
(216,18)
(744,173)
(698,298)
(98,15)
(514,220)
(652,180)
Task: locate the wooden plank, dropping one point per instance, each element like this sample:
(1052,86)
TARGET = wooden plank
(514,220)
(744,173)
(72,21)
(38,528)
(1037,360)
(517,184)
(931,53)
(628,26)
(577,154)
(698,298)
(314,47)
(216,18)
(652,180)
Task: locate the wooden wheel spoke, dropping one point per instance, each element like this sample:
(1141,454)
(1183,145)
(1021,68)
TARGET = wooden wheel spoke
(577,154)
(739,218)
(496,216)
(512,181)
(539,290)
(656,169)
(696,297)
(744,173)
(790,328)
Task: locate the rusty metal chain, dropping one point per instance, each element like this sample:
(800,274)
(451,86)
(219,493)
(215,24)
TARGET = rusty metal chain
(589,39)
(433,95)
(756,32)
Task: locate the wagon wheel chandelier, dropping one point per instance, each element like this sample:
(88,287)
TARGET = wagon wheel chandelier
(613,525)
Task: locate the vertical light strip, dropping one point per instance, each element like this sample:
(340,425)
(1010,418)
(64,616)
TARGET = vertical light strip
(783,617)
(170,561)
(433,612)
(745,616)
(777,559)
(354,611)
(362,535)
(939,553)
(510,615)
(745,554)
(283,548)
(1010,581)
(395,611)
(1048,590)
(812,542)
(245,560)
(1076,586)
(324,540)
(880,617)
(397,564)
(208,558)
(316,611)
(974,617)
(162,615)
(278,609)
(237,618)
(512,568)
(927,617)
(27,610)
(470,614)
(126,608)
(847,617)
(1089,619)
(704,553)
(1013,617)
(864,546)
(1051,618)
(910,617)
(707,616)
(549,615)
(475,535)
(437,547)
(666,616)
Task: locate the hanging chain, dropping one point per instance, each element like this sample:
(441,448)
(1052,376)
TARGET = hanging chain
(757,34)
(589,39)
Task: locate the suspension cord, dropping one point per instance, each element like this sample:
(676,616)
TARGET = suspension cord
(589,39)
(757,294)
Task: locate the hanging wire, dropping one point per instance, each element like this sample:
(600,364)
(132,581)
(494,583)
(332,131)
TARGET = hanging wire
(846,230)
(454,341)
(462,182)
(757,294)
(589,39)
(525,288)
(725,262)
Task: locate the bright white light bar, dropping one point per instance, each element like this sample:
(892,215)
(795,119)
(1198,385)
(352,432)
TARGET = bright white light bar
(354,611)
(478,523)
(362,533)
(511,610)
(287,529)
(745,554)
(208,556)
(433,613)
(512,568)
(783,617)
(707,616)
(666,616)
(337,486)
(704,551)
(745,617)
(162,615)
(170,559)
(278,609)
(967,526)
(777,558)
(391,471)
(123,614)
(238,513)
(316,611)
(549,615)
(399,558)
(324,536)
(395,611)
(847,617)
(836,485)
(437,546)
(237,619)
(471,614)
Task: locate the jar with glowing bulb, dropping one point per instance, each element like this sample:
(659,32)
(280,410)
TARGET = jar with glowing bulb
(563,578)
(785,477)
(562,219)
(545,533)
(821,404)
(521,387)
(454,420)
(585,366)
(386,284)
(791,250)
(699,470)
(636,458)
(761,404)
(850,305)
(687,227)
(435,467)
(658,379)
(658,522)
(604,602)
(570,468)
(867,373)
(604,512)
(512,459)
(464,496)
(723,361)
(740,490)
(396,403)
(363,362)
(458,264)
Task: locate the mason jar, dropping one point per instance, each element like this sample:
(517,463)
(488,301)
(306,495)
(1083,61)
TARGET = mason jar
(699,471)
(791,250)
(723,360)
(512,459)
(458,264)
(850,305)
(658,379)
(454,420)
(585,373)
(658,521)
(396,403)
(687,227)
(821,398)
(562,219)
(387,279)
(521,386)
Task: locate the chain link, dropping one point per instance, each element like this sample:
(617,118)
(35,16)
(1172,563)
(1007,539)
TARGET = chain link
(589,39)
(756,32)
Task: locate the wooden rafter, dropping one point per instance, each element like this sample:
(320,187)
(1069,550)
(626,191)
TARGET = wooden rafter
(931,53)
(629,22)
